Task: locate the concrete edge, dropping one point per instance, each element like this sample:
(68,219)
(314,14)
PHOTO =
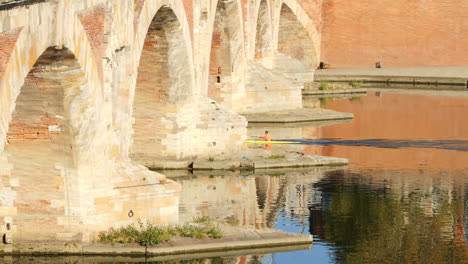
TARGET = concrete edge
(345,116)
(334,91)
(231,245)
(288,240)
(308,161)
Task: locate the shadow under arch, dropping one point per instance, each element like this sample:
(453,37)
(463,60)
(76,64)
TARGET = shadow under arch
(41,147)
(263,33)
(294,40)
(227,53)
(164,86)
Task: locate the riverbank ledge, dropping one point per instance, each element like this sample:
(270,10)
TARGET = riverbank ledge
(434,78)
(252,158)
(298,116)
(234,239)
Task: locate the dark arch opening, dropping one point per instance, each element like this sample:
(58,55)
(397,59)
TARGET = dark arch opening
(164,80)
(263,31)
(40,139)
(226,50)
(293,39)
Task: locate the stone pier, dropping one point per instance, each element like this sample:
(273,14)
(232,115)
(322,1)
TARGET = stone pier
(90,91)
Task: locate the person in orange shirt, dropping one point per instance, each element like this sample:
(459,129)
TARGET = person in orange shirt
(267,136)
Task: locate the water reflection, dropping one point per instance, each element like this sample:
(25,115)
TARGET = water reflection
(403,199)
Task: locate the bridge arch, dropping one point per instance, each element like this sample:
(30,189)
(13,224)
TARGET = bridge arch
(263,31)
(42,132)
(165,82)
(295,33)
(227,57)
(26,54)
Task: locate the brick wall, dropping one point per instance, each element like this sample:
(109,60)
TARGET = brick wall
(401,33)
(93,23)
(188,5)
(7,43)
(313,8)
(42,98)
(293,39)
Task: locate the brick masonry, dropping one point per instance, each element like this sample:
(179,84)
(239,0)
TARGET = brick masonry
(72,121)
(93,22)
(400,33)
(7,43)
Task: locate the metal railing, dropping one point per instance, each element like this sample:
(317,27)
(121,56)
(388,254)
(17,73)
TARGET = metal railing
(9,4)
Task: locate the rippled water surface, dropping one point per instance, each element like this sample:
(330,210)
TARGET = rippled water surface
(402,199)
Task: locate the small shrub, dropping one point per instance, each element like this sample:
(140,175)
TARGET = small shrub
(324,85)
(215,232)
(202,220)
(276,175)
(324,101)
(152,235)
(356,84)
(277,157)
(149,234)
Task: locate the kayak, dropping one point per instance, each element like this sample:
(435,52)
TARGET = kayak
(270,142)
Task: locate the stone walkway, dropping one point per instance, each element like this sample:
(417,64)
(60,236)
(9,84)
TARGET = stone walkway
(298,115)
(255,158)
(334,92)
(234,239)
(453,72)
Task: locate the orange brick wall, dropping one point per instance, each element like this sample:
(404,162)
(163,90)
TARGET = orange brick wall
(314,9)
(188,5)
(93,23)
(42,98)
(7,43)
(401,33)
(293,39)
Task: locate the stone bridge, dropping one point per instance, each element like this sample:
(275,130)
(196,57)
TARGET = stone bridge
(92,89)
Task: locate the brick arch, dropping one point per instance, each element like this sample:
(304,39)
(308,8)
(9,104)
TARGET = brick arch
(227,57)
(290,11)
(42,131)
(263,31)
(164,85)
(26,53)
(181,43)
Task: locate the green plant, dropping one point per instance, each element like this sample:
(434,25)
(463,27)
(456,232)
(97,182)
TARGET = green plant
(324,85)
(148,234)
(152,235)
(202,220)
(356,84)
(324,101)
(211,159)
(277,157)
(276,175)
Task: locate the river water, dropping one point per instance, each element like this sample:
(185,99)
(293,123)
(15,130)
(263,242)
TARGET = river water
(403,198)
